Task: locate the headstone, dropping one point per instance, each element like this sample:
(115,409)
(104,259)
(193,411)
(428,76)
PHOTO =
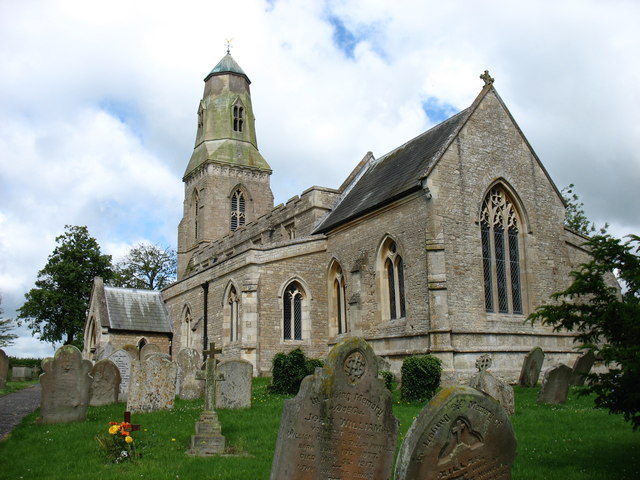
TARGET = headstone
(132,350)
(4,368)
(189,362)
(555,384)
(460,434)
(484,362)
(148,349)
(122,360)
(495,388)
(106,383)
(20,374)
(383,365)
(208,440)
(152,384)
(531,367)
(582,367)
(65,386)
(340,425)
(235,390)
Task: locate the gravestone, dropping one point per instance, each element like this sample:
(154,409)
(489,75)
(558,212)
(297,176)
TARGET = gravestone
(492,386)
(235,390)
(4,368)
(460,434)
(555,384)
(531,367)
(122,360)
(582,367)
(189,362)
(20,374)
(132,350)
(106,383)
(208,440)
(148,349)
(152,384)
(65,386)
(340,425)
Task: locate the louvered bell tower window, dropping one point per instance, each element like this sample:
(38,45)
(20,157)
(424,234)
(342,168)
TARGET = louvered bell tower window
(500,234)
(237,210)
(238,118)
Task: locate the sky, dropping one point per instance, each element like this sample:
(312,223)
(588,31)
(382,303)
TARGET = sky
(98,104)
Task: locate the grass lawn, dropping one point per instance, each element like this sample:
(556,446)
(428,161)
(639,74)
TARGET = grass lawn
(572,441)
(11,387)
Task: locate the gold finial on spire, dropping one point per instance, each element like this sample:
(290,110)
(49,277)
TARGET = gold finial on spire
(488,79)
(228,45)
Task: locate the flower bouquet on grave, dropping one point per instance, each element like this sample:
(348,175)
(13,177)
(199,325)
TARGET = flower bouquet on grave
(118,445)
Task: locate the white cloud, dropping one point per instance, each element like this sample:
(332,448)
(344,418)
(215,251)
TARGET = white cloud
(100,98)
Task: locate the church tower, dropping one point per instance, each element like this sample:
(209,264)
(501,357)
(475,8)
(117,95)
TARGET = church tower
(227,179)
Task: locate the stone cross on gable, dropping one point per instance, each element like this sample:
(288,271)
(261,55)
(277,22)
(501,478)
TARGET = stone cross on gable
(210,377)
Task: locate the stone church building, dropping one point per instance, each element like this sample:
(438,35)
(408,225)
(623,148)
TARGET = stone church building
(443,245)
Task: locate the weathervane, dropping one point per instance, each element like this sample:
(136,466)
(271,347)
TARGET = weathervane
(488,79)
(228,45)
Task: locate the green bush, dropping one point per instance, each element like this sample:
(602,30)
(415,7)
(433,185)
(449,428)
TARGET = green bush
(388,379)
(288,370)
(25,362)
(420,378)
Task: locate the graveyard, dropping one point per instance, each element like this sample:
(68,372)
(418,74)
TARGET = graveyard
(343,423)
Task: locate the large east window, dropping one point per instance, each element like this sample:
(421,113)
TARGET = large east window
(500,235)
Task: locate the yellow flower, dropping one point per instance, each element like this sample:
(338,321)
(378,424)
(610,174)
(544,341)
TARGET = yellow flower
(114,429)
(128,439)
(173,439)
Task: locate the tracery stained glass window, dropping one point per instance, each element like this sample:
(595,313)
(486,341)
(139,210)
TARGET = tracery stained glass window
(292,310)
(237,210)
(500,233)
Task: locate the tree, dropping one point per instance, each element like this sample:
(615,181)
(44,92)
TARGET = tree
(56,308)
(6,339)
(146,266)
(606,320)
(574,216)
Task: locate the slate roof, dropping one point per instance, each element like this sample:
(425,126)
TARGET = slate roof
(141,310)
(394,175)
(227,65)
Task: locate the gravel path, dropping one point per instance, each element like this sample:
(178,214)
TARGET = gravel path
(15,406)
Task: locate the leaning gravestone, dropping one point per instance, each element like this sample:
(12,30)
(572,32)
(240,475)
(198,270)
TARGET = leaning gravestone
(582,367)
(340,425)
(495,388)
(148,349)
(122,360)
(4,368)
(555,385)
(460,434)
(106,383)
(65,386)
(152,385)
(531,368)
(235,390)
(189,362)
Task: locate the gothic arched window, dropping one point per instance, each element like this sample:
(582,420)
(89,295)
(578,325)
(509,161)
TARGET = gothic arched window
(234,317)
(186,330)
(238,118)
(500,235)
(237,210)
(195,204)
(391,270)
(338,304)
(292,312)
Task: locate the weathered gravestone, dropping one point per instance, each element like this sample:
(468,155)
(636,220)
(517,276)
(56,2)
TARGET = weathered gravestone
(65,386)
(148,349)
(122,359)
(495,388)
(235,390)
(531,367)
(152,384)
(106,383)
(582,367)
(4,368)
(460,434)
(340,425)
(208,440)
(555,384)
(20,374)
(189,362)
